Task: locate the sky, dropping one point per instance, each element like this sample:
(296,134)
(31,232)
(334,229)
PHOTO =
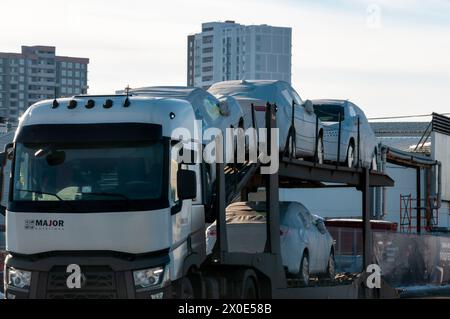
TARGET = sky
(389,57)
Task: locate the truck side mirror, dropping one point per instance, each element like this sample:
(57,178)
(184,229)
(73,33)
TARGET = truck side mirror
(9,153)
(186,184)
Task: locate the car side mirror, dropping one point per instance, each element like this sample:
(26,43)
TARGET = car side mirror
(224,108)
(309,107)
(186,184)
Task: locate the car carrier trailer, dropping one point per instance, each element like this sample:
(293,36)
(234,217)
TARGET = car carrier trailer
(179,268)
(262,275)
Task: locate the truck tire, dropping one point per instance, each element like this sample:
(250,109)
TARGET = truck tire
(245,286)
(186,289)
(250,290)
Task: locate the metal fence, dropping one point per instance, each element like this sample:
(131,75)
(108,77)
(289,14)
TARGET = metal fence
(405,259)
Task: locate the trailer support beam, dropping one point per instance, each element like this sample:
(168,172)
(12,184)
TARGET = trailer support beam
(367,230)
(419,200)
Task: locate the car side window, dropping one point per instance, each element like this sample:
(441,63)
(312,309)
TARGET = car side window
(211,108)
(287,96)
(321,226)
(304,220)
(352,111)
(297,97)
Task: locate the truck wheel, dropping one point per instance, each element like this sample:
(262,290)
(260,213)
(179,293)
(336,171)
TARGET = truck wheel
(249,291)
(186,289)
(245,286)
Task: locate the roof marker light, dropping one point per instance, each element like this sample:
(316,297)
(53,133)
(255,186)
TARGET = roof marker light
(108,104)
(72,104)
(55,104)
(90,104)
(172,115)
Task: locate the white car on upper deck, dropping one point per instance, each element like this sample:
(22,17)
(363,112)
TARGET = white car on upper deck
(297,123)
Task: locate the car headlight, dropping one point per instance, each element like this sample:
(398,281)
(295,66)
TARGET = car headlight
(150,278)
(18,278)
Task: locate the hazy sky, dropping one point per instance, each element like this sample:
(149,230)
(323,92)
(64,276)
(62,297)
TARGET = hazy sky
(392,57)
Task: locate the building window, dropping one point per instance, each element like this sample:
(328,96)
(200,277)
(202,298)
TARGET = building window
(208,39)
(207,50)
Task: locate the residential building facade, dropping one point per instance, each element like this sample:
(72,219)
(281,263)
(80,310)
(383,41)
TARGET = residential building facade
(230,51)
(35,74)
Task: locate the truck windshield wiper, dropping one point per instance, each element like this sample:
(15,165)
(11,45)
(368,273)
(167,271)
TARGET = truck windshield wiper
(40,193)
(107,194)
(46,193)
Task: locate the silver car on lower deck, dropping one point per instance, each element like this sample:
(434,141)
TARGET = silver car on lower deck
(306,245)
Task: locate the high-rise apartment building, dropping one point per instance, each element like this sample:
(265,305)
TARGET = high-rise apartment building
(230,51)
(36,74)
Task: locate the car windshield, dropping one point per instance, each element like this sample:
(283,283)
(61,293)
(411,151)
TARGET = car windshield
(329,113)
(104,172)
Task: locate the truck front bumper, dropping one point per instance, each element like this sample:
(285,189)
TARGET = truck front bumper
(108,276)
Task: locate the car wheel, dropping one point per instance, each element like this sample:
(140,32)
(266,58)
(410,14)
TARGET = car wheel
(350,161)
(320,153)
(374,163)
(331,267)
(303,273)
(292,147)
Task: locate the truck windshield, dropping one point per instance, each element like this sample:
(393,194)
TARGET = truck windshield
(67,173)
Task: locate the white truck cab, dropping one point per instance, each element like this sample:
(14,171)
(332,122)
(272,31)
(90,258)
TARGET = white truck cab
(93,184)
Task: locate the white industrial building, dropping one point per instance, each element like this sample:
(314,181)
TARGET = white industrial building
(230,51)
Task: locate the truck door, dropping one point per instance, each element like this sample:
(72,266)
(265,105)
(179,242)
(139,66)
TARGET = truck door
(180,210)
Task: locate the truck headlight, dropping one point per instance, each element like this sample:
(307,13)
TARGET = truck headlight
(18,278)
(150,278)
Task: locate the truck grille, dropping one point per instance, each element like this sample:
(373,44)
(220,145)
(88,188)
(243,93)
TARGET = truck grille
(96,283)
